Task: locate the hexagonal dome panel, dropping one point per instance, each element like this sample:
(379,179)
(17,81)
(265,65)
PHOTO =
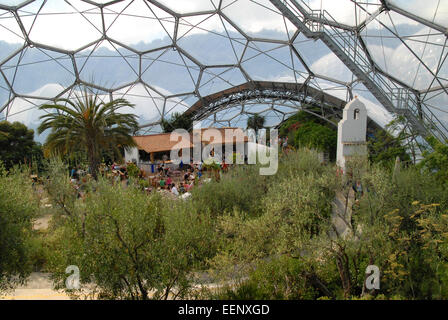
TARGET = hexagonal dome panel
(174,65)
(12,37)
(217,79)
(139,24)
(280,63)
(94,65)
(148,103)
(200,34)
(186,7)
(13,3)
(52,22)
(258,19)
(26,71)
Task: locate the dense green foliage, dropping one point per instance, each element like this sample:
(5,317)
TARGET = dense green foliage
(257,237)
(17,144)
(305,130)
(132,170)
(241,190)
(129,245)
(319,137)
(400,224)
(289,127)
(17,209)
(384,148)
(436,161)
(385,145)
(89,125)
(281,278)
(177,120)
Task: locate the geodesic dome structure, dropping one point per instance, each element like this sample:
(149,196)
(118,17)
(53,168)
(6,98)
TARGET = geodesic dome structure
(227,59)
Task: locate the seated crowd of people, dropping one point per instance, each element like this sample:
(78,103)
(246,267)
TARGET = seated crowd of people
(177,181)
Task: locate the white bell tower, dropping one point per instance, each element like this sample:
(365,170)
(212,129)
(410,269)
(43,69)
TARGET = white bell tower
(352,130)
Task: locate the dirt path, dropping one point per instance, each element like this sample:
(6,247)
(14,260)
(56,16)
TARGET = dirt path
(38,287)
(42,222)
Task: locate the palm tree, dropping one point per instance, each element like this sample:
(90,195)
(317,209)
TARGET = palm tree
(90,125)
(255,122)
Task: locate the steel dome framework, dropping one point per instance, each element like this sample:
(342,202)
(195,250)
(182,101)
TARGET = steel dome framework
(390,52)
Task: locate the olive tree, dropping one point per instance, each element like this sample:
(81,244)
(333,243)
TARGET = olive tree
(128,245)
(17,210)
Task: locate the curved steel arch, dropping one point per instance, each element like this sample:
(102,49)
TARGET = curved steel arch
(301,96)
(279,92)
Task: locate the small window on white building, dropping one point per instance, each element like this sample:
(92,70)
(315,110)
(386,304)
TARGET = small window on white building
(356,114)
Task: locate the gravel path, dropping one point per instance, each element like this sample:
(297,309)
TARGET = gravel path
(38,287)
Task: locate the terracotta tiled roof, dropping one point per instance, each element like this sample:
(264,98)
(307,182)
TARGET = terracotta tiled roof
(161,142)
(238,133)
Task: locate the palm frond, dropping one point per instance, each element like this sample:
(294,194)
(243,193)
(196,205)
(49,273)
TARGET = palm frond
(86,123)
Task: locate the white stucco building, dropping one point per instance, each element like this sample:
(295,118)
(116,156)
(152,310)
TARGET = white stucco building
(152,148)
(352,131)
(131,155)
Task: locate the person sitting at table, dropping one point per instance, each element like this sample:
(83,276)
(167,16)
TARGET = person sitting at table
(174,189)
(182,188)
(169,180)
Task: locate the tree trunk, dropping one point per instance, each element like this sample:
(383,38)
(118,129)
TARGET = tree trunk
(318,284)
(344,272)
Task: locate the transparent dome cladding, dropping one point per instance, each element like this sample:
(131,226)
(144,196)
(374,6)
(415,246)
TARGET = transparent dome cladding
(165,55)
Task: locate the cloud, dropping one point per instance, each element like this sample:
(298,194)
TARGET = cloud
(436,11)
(149,105)
(403,64)
(331,66)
